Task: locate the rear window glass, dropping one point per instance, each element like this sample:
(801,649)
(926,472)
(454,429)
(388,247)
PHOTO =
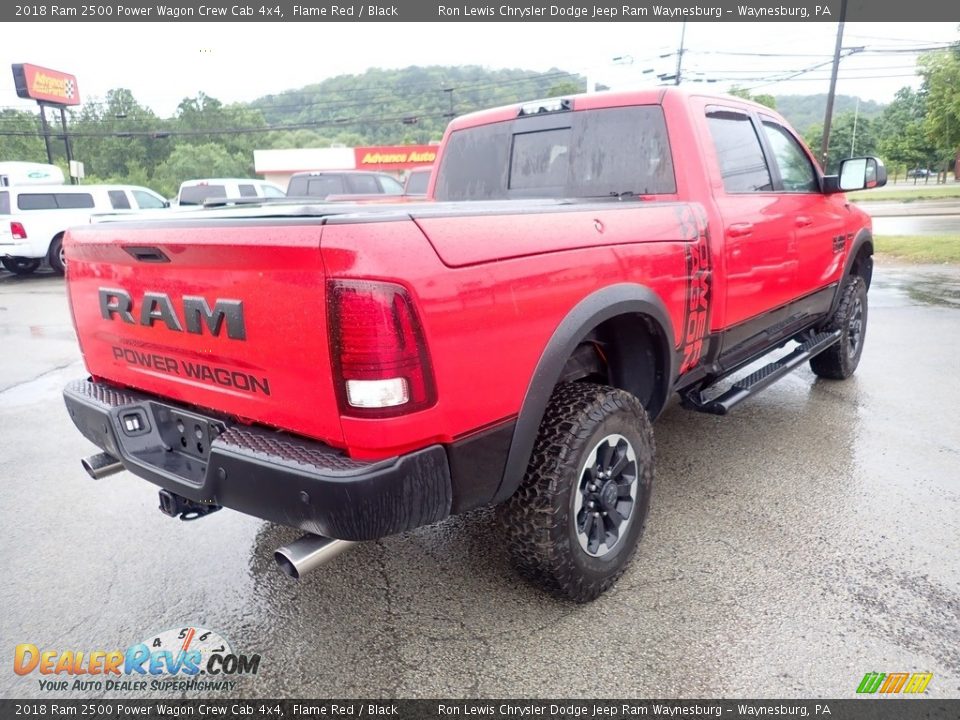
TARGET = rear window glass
(118,199)
(4,203)
(592,153)
(540,159)
(247,190)
(316,186)
(198,194)
(363,184)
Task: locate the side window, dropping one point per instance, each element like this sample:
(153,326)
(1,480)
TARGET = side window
(270,191)
(73,201)
(247,190)
(796,170)
(739,152)
(147,201)
(36,201)
(4,203)
(390,186)
(118,200)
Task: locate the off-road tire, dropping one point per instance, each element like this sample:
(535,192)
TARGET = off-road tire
(540,522)
(839,361)
(19,265)
(55,255)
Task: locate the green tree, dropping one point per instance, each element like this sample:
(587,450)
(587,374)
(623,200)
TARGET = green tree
(203,119)
(941,85)
(769,100)
(567,87)
(20,137)
(117,134)
(850,135)
(902,131)
(189,162)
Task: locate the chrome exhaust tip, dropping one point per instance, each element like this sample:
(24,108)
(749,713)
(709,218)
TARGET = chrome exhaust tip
(308,553)
(101,465)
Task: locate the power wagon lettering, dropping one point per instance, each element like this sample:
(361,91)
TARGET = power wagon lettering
(198,371)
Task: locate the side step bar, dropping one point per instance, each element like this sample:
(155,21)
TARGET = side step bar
(762,378)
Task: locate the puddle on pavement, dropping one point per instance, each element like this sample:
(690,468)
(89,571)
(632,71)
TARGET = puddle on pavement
(46,386)
(926,288)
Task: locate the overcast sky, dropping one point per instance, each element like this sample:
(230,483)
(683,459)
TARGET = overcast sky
(164,62)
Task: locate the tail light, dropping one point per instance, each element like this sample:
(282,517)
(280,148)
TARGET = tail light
(380,360)
(16,229)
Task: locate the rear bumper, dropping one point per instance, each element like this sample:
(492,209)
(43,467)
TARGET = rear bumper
(13,248)
(268,474)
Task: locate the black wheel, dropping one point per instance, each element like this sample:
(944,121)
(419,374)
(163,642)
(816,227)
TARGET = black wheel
(839,361)
(574,523)
(55,257)
(19,265)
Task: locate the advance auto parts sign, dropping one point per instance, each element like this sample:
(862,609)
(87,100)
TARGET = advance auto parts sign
(394,157)
(51,86)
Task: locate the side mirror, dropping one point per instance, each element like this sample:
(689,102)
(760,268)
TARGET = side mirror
(862,173)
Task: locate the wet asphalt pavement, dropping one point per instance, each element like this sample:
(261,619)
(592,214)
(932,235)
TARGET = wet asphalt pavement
(808,538)
(917,225)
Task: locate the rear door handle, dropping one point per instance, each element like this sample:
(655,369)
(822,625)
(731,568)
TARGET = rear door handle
(803,221)
(740,229)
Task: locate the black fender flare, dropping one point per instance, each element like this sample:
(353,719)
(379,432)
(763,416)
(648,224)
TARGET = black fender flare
(599,306)
(863,237)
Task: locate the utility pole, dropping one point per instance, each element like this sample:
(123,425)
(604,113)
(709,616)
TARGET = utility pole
(66,143)
(683,33)
(856,116)
(46,131)
(828,116)
(450,113)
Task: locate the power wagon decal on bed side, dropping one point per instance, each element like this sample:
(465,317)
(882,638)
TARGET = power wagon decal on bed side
(696,321)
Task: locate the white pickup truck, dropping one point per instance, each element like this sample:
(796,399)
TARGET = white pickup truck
(33,218)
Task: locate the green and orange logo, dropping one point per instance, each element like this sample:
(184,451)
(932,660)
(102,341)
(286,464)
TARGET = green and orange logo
(894,683)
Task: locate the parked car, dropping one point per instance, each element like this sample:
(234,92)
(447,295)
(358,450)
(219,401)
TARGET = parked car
(919,173)
(197,192)
(342,183)
(33,218)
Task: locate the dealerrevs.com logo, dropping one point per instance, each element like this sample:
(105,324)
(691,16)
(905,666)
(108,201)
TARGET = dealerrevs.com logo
(190,658)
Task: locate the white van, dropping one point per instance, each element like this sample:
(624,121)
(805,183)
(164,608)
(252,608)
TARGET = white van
(33,218)
(197,192)
(13,172)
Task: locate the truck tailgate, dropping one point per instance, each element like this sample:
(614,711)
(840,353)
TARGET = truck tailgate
(215,314)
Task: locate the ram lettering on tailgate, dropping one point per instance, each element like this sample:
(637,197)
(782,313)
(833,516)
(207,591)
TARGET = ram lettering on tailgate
(116,303)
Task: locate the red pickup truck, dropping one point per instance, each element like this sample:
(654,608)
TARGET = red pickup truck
(356,371)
